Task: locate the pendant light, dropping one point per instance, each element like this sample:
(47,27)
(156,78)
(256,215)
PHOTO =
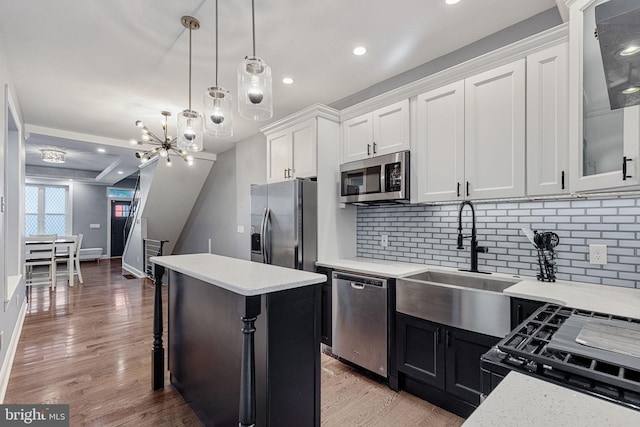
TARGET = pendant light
(218,113)
(190,137)
(255,101)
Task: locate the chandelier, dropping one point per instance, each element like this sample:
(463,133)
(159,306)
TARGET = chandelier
(164,146)
(53,155)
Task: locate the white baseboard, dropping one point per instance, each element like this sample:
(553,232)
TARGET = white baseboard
(139,274)
(5,371)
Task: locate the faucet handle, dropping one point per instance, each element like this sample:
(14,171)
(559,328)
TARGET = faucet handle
(482,249)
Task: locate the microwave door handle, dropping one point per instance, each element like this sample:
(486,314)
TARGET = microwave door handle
(383,171)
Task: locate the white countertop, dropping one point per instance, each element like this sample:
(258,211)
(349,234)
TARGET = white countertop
(585,296)
(242,277)
(376,267)
(520,400)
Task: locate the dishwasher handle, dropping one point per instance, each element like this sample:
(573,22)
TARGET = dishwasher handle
(360,282)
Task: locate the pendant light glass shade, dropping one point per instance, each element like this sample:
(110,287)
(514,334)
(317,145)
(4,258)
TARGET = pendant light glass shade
(255,100)
(190,136)
(218,112)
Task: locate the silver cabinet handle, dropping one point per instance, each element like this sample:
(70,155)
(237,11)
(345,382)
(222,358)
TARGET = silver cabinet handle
(355,285)
(368,149)
(374,148)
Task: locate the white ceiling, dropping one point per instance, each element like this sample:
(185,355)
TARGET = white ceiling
(94,67)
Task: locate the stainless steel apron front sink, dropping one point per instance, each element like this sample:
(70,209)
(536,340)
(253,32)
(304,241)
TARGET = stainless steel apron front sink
(472,302)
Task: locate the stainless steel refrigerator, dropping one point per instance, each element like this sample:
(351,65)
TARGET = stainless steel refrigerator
(284,224)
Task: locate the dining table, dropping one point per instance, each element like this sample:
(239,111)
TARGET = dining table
(61,244)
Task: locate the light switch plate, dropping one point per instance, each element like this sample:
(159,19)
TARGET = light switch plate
(241,229)
(598,254)
(94,225)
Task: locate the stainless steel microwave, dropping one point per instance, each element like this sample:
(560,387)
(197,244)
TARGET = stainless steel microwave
(377,179)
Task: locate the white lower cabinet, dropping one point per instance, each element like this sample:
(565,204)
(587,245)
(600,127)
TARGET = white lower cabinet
(471,137)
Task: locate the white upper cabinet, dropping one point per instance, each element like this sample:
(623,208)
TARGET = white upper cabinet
(357,137)
(603,142)
(471,137)
(291,153)
(495,132)
(292,142)
(548,121)
(382,131)
(440,144)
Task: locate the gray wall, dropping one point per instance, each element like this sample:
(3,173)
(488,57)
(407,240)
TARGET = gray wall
(427,235)
(521,30)
(90,207)
(224,202)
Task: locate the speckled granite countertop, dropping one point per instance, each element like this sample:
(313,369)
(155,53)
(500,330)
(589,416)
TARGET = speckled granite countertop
(520,401)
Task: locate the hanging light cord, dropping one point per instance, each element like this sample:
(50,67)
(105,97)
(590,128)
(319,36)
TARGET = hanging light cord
(253,22)
(190,31)
(216,43)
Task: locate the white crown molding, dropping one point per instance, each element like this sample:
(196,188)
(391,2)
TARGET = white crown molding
(493,59)
(316,110)
(563,9)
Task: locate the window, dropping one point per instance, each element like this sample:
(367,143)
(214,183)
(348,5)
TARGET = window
(46,209)
(121,211)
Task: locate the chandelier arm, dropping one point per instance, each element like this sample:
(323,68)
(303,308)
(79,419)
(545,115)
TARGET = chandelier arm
(154,137)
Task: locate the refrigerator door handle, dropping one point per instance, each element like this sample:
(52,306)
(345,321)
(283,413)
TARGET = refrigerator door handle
(262,235)
(267,240)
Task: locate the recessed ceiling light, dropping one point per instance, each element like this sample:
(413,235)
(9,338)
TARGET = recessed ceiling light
(631,50)
(101,150)
(287,80)
(452,1)
(120,172)
(360,50)
(631,89)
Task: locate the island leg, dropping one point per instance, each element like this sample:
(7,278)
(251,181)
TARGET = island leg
(249,310)
(157,353)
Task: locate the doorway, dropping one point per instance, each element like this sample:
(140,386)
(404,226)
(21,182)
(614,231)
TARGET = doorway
(119,214)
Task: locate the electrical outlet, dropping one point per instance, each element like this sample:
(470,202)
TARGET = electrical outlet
(241,229)
(384,240)
(598,254)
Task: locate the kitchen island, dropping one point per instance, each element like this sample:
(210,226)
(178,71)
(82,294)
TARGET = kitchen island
(243,340)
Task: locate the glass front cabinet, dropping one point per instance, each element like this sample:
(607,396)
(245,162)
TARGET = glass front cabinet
(604,142)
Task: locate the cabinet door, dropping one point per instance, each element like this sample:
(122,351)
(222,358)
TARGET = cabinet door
(357,138)
(420,352)
(495,132)
(303,147)
(601,139)
(440,144)
(548,121)
(464,349)
(278,156)
(391,128)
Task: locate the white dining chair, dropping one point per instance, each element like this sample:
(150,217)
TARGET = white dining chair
(40,266)
(75,254)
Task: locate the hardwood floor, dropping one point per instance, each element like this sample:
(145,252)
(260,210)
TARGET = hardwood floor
(90,347)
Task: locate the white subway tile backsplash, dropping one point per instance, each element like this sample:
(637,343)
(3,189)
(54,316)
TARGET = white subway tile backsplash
(427,234)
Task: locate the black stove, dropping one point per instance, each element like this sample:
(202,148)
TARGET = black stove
(548,345)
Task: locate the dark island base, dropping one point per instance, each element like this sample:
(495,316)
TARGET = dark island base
(205,353)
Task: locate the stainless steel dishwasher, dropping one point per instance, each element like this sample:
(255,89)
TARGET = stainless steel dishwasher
(360,320)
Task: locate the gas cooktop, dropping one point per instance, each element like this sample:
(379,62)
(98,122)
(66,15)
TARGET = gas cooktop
(593,352)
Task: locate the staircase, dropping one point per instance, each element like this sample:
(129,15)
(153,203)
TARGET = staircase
(164,198)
